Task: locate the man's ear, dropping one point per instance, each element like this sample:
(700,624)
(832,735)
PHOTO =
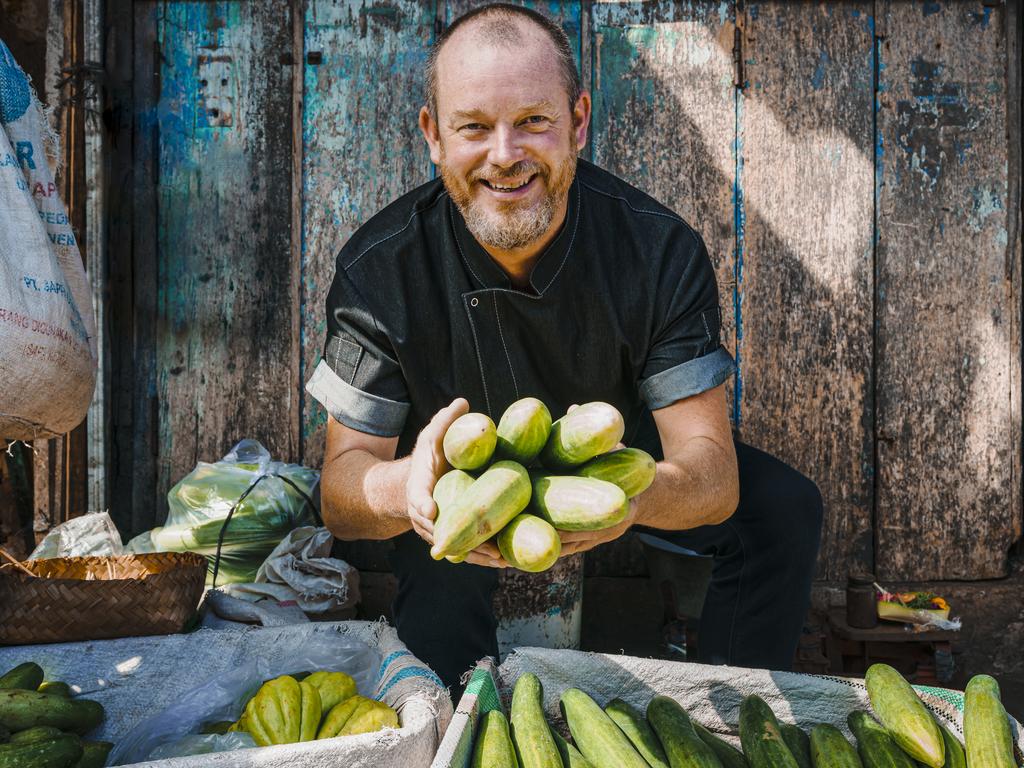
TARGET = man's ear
(428,127)
(581,119)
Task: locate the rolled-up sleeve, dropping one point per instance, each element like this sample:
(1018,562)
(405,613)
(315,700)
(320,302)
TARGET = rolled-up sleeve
(686,355)
(358,380)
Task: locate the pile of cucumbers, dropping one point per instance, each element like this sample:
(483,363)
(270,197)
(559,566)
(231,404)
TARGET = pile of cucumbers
(905,735)
(42,724)
(528,478)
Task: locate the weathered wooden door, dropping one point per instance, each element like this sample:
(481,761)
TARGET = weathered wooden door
(851,166)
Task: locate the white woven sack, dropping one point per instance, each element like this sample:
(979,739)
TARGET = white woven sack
(47,329)
(135,677)
(711,694)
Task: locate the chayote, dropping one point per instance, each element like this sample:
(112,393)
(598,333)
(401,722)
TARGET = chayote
(334,688)
(283,711)
(357,714)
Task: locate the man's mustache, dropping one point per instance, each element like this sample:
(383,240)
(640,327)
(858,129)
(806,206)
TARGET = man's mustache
(521,168)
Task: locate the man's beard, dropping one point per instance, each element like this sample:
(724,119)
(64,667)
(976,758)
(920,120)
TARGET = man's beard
(515,224)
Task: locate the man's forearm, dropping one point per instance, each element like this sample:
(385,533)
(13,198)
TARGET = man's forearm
(363,496)
(697,486)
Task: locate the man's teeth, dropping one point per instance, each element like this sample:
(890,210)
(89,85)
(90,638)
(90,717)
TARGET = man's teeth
(504,188)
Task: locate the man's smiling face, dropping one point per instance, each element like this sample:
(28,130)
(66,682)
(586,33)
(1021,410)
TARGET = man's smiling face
(506,140)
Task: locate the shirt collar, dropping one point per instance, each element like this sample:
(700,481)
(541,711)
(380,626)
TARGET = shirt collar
(485,270)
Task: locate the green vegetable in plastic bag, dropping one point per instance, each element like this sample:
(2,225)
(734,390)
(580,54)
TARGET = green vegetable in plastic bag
(200,503)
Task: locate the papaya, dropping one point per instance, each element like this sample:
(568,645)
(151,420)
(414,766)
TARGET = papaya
(683,747)
(631,469)
(523,430)
(283,711)
(27,677)
(357,714)
(578,503)
(830,749)
(580,435)
(333,687)
(529,543)
(493,748)
(535,746)
(595,735)
(638,731)
(470,440)
(986,725)
(761,736)
(490,503)
(904,715)
(20,710)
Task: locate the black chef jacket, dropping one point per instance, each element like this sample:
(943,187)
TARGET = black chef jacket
(622,307)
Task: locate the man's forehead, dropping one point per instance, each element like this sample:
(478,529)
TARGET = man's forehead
(526,73)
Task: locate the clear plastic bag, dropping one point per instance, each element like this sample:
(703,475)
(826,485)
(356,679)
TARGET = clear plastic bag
(91,535)
(202,744)
(223,698)
(269,498)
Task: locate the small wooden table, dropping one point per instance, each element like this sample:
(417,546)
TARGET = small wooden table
(925,657)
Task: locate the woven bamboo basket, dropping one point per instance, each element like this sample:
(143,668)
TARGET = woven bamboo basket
(93,598)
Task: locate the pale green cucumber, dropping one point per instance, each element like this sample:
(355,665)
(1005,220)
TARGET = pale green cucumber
(535,746)
(830,749)
(986,725)
(904,715)
(638,731)
(631,469)
(583,433)
(523,430)
(529,543)
(578,503)
(595,735)
(470,440)
(493,747)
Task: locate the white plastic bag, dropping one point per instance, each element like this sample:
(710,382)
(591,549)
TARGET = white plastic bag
(224,697)
(91,535)
(47,329)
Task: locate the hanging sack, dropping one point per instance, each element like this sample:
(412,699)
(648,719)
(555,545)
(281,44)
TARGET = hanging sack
(47,330)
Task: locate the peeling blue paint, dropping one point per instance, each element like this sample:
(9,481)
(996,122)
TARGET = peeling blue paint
(982,19)
(739,224)
(929,8)
(818,79)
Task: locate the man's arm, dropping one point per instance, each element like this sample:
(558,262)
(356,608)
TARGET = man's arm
(696,484)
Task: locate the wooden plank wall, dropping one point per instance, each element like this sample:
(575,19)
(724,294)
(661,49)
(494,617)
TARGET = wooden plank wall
(848,164)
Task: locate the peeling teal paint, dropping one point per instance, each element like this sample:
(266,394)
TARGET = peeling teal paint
(818,79)
(739,219)
(930,8)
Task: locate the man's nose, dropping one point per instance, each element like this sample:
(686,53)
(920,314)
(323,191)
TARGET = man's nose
(505,147)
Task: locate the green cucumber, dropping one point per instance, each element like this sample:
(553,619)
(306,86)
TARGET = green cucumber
(531,735)
(955,755)
(761,736)
(493,744)
(26,677)
(523,430)
(683,747)
(638,731)
(470,440)
(728,755)
(529,543)
(586,432)
(36,733)
(94,754)
(20,710)
(830,749)
(487,506)
(904,715)
(57,687)
(986,725)
(61,752)
(798,742)
(876,747)
(572,503)
(571,757)
(596,736)
(631,469)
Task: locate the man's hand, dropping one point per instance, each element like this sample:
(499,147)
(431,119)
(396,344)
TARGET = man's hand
(427,465)
(580,541)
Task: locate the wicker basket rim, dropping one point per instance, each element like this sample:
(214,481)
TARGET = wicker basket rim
(187,560)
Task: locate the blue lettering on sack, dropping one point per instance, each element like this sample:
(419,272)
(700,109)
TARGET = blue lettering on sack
(8,160)
(60,238)
(25,150)
(14,92)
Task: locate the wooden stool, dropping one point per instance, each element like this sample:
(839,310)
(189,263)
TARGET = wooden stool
(926,658)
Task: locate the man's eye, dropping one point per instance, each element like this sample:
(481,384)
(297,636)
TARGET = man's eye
(472,127)
(535,119)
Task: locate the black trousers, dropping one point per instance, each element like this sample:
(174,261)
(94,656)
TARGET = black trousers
(764,560)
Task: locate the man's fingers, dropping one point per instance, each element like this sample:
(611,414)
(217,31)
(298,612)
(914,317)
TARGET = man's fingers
(489,549)
(478,558)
